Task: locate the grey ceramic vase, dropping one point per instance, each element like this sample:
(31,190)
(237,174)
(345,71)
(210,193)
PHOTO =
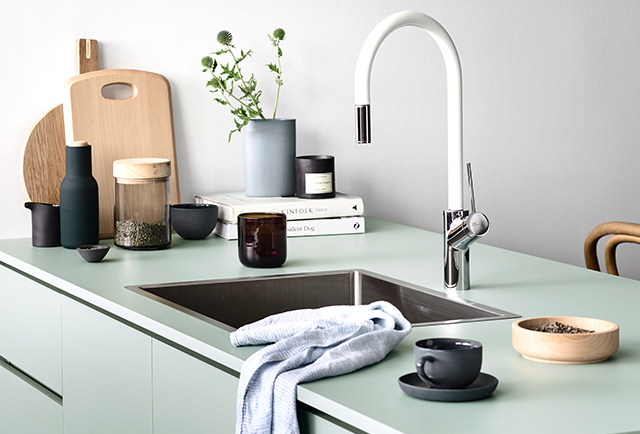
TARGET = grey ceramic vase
(269,157)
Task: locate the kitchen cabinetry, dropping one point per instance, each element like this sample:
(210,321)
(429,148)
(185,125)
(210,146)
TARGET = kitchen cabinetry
(368,400)
(106,369)
(115,378)
(30,356)
(25,407)
(30,336)
(189,395)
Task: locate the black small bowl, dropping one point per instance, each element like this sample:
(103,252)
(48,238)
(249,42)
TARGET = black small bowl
(93,252)
(194,221)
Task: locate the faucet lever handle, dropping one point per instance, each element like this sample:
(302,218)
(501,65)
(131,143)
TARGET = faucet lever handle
(472,196)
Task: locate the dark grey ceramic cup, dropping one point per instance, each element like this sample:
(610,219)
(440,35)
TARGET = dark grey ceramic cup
(448,363)
(194,221)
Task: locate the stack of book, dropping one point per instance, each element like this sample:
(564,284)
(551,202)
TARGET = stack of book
(342,214)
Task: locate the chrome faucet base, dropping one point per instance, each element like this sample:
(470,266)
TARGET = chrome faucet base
(461,229)
(456,260)
(456,272)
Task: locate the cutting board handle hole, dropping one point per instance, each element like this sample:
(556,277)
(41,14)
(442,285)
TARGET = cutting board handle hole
(118,91)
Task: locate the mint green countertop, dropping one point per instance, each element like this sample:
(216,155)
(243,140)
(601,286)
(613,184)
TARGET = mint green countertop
(531,396)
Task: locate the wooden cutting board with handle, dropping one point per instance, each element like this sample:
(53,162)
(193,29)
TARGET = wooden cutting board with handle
(137,126)
(43,156)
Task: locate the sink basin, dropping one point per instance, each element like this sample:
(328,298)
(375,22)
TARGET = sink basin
(232,303)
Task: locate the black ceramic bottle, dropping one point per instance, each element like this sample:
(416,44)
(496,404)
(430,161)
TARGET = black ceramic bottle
(78,199)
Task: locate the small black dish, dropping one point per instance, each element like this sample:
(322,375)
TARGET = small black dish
(412,385)
(194,221)
(93,252)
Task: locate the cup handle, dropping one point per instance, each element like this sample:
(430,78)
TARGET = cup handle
(420,364)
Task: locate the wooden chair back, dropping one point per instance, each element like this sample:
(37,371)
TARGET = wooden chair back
(623,232)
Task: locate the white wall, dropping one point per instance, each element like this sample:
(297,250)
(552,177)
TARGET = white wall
(551,95)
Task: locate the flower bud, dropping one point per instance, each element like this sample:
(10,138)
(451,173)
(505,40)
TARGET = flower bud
(207,62)
(225,37)
(278,34)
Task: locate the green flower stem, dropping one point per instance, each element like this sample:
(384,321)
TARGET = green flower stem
(229,81)
(255,103)
(225,93)
(275,107)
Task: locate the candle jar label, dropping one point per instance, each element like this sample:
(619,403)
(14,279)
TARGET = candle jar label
(318,183)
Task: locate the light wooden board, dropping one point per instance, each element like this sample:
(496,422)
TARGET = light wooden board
(140,126)
(43,156)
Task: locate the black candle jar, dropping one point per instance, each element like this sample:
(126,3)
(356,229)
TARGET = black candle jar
(315,177)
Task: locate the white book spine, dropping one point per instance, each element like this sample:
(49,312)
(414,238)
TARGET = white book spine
(295,209)
(301,228)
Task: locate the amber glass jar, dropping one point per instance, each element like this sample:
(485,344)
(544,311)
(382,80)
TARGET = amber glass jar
(142,203)
(262,239)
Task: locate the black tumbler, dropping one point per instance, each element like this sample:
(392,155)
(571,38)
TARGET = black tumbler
(262,239)
(45,224)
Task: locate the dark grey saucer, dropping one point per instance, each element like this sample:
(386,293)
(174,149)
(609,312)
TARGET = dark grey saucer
(484,386)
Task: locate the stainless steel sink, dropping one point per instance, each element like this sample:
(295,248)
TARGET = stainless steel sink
(231,303)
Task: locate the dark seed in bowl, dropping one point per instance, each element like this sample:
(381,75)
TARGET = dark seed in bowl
(558,327)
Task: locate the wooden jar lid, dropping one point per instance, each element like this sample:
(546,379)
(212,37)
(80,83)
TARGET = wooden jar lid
(142,168)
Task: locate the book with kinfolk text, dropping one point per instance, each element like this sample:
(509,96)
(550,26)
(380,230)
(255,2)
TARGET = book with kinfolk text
(230,205)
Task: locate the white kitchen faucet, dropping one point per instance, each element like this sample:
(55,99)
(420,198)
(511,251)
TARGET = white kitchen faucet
(460,228)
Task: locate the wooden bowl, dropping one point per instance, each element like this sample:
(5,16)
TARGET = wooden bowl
(565,348)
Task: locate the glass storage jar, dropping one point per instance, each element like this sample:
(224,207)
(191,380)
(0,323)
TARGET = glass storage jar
(142,203)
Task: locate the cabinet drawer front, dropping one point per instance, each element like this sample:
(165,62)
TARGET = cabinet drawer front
(106,373)
(193,397)
(30,328)
(190,396)
(24,409)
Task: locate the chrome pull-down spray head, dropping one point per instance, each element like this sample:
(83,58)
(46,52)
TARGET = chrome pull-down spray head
(363,124)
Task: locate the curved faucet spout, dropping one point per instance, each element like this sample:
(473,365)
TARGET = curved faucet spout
(454,90)
(461,228)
